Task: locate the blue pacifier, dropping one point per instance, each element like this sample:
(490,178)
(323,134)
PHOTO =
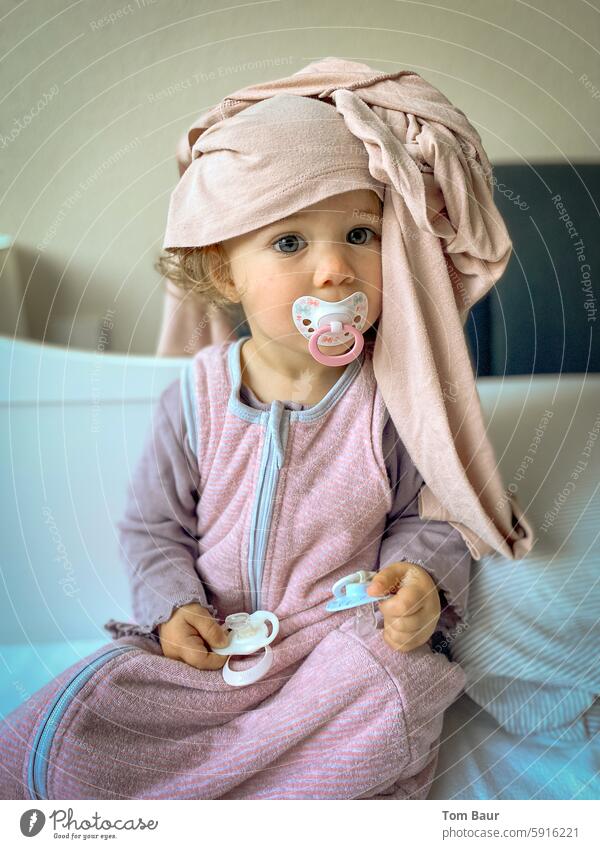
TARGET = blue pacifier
(351,591)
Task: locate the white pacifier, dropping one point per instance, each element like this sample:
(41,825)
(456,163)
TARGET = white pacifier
(331,324)
(249,633)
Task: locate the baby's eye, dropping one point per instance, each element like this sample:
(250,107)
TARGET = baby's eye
(286,240)
(365,229)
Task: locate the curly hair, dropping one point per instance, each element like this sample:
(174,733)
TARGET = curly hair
(203,271)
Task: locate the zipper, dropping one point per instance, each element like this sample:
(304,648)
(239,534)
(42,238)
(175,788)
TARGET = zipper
(38,760)
(271,463)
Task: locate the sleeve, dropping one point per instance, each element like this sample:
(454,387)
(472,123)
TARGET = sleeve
(157,533)
(435,546)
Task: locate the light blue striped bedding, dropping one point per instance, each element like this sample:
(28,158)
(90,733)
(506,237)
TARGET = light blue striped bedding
(531,645)
(479,759)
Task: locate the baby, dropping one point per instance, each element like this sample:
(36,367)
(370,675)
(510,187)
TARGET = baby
(275,470)
(327,251)
(272,473)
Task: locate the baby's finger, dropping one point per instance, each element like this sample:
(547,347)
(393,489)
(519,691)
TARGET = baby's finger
(408,600)
(403,644)
(408,624)
(209,629)
(195,653)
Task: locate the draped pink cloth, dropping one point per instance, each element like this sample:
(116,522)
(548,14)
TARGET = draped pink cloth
(272,149)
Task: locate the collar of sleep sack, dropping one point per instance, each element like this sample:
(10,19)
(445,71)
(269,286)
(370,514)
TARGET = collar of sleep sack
(316,411)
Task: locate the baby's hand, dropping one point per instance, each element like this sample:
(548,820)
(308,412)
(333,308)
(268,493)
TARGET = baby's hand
(189,634)
(411,616)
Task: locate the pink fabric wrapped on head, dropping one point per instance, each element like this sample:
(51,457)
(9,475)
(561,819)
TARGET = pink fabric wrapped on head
(271,160)
(272,149)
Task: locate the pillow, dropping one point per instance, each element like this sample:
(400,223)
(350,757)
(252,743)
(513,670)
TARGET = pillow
(529,643)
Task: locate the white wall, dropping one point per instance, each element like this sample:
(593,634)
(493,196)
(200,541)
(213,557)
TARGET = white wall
(85,180)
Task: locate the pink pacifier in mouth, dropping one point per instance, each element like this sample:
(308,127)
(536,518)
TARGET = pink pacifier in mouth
(331,323)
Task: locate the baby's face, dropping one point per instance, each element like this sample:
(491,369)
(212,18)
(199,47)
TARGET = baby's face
(329,250)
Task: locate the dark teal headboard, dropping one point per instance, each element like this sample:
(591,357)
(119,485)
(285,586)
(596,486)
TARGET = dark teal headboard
(543,315)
